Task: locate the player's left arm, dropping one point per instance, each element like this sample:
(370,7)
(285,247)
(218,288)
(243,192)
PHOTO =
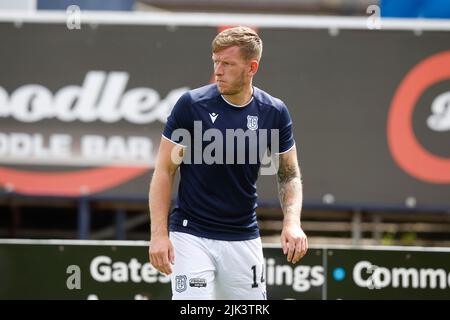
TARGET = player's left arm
(293,240)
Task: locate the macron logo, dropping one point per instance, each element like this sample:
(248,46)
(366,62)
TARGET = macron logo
(213,116)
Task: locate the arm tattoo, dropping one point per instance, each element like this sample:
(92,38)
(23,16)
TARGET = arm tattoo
(287,172)
(289,188)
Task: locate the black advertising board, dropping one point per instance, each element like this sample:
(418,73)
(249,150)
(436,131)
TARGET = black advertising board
(65,269)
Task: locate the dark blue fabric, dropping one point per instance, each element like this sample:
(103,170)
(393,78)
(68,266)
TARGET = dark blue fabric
(218,201)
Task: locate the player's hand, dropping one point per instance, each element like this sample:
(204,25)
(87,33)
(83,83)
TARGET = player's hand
(294,242)
(162,254)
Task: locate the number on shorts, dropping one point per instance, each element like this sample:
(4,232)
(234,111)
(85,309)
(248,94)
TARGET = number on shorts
(255,284)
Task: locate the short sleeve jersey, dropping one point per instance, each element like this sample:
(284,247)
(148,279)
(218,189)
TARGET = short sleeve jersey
(224,143)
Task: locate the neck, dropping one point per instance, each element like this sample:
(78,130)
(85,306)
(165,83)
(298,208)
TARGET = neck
(240,98)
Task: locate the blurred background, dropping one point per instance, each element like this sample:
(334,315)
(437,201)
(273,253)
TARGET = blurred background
(358,217)
(390,8)
(86,86)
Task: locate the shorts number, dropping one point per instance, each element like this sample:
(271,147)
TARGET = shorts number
(255,284)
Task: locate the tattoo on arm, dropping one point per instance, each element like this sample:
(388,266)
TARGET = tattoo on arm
(289,187)
(287,172)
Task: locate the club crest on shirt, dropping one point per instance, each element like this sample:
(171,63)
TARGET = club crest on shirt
(180,283)
(252,122)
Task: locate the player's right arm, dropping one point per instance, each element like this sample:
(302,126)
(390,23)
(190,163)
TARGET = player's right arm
(161,252)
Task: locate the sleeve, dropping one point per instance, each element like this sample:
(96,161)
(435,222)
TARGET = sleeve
(286,135)
(180,118)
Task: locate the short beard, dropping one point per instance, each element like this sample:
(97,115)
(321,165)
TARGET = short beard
(236,88)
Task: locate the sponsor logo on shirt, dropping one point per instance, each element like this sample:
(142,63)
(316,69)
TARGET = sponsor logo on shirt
(197,282)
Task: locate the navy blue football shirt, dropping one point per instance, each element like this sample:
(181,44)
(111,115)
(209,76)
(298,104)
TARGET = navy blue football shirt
(217,193)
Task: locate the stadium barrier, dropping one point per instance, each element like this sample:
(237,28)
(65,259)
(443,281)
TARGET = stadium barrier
(78,269)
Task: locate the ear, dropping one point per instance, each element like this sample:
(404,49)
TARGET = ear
(254,65)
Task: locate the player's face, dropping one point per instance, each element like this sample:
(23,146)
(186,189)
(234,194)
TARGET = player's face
(231,71)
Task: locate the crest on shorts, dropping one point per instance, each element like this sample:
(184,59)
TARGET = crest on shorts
(180,283)
(252,122)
